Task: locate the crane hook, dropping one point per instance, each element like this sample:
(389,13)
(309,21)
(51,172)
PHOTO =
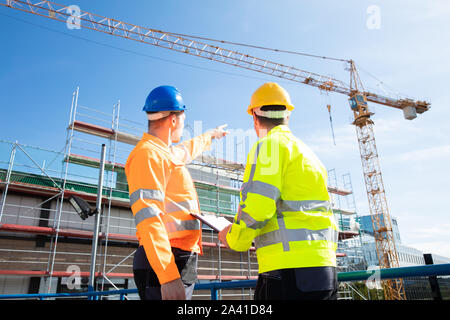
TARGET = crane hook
(331,122)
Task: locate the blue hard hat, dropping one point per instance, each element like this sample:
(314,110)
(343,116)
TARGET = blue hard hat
(164,98)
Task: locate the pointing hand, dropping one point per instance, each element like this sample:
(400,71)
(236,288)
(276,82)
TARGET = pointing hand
(219,132)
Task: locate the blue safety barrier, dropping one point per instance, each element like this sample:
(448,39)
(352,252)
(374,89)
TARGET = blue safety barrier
(214,286)
(91,295)
(402,272)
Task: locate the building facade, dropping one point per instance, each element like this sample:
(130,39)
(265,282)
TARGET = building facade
(416,288)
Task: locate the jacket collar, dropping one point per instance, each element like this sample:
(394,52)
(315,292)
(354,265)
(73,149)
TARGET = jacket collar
(155,141)
(159,144)
(280,128)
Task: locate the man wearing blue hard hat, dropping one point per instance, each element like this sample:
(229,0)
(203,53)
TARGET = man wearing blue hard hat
(162,198)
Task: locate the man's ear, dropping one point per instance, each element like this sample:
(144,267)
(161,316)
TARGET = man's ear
(173,119)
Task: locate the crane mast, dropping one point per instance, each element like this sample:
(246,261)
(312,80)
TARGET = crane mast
(358,98)
(379,212)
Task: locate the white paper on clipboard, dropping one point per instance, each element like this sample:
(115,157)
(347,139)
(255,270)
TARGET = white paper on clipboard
(216,223)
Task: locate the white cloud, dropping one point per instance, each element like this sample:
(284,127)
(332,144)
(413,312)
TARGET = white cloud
(437,153)
(322,144)
(428,234)
(439,247)
(438,230)
(432,10)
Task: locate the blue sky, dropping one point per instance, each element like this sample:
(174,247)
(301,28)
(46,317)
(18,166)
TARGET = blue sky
(42,62)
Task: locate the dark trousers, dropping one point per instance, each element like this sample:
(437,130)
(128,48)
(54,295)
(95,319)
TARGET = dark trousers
(316,283)
(147,282)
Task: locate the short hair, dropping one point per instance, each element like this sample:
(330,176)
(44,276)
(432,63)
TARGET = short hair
(158,123)
(271,122)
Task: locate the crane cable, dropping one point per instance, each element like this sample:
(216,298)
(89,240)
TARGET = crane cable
(138,53)
(255,46)
(331,118)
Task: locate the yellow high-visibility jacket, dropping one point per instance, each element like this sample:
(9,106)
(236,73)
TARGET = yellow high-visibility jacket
(285,206)
(162,196)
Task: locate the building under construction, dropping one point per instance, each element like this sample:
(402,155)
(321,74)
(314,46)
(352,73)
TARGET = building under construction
(46,247)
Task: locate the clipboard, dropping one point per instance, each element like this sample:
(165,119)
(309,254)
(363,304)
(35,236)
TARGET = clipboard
(216,223)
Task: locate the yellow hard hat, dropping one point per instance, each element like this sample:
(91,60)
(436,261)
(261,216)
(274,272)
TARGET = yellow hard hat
(270,93)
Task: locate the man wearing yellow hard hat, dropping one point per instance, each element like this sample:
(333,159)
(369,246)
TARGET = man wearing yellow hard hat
(285,208)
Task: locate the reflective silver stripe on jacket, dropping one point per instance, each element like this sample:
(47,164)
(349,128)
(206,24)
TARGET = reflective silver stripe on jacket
(261,188)
(146,194)
(186,206)
(257,187)
(181,225)
(283,206)
(305,205)
(252,173)
(145,213)
(250,222)
(285,236)
(282,235)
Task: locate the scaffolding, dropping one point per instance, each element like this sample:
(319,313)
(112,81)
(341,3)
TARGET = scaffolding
(350,245)
(44,238)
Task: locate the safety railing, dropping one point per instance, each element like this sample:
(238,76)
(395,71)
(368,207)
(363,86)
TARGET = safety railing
(379,274)
(91,295)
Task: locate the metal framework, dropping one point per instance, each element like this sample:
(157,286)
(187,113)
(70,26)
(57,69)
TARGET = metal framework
(184,44)
(350,244)
(381,220)
(85,138)
(122,135)
(189,46)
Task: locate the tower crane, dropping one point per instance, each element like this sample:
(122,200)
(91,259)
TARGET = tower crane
(358,99)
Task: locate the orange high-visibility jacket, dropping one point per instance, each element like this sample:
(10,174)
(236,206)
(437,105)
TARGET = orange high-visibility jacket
(181,197)
(162,194)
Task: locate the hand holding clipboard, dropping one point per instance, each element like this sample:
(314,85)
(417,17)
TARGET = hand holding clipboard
(216,223)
